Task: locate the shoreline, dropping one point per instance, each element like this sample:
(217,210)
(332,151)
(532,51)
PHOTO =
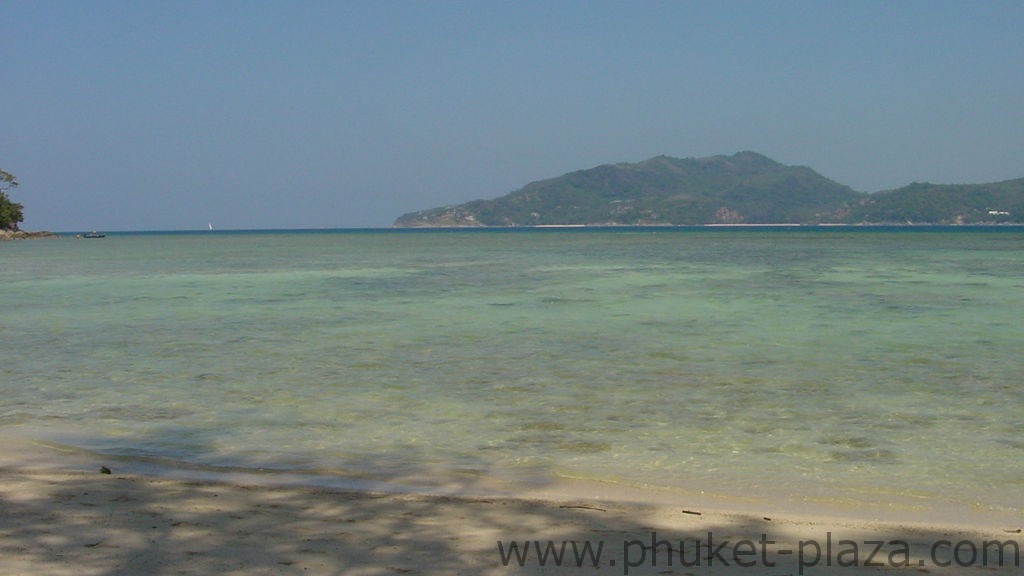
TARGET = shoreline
(30,453)
(23,235)
(60,515)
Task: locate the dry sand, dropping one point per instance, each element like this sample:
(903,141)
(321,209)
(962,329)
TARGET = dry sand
(68,518)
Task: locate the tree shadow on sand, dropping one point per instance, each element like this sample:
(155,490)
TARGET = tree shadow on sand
(87,522)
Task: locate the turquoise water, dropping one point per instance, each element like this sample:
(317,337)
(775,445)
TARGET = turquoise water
(841,363)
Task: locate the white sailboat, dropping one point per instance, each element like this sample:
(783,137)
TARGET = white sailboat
(209,226)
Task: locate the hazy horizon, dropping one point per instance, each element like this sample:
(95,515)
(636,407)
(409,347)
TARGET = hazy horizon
(151,116)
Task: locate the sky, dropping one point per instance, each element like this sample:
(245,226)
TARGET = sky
(168,115)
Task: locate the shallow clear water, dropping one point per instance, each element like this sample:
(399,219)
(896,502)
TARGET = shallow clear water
(847,363)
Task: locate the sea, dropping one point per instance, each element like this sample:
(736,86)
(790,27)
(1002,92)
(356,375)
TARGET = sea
(850,366)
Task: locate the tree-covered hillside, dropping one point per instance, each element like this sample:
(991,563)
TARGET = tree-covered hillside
(744,188)
(997,202)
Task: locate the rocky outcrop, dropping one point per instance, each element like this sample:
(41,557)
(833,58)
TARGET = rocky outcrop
(23,235)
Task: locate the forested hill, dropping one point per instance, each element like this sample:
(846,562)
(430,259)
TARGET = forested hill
(745,188)
(997,202)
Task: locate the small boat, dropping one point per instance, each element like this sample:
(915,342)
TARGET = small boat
(94,234)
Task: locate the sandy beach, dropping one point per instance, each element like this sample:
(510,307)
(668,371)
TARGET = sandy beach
(65,516)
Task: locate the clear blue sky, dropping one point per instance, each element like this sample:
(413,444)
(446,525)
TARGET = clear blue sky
(148,114)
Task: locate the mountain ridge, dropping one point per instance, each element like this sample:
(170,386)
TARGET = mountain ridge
(744,188)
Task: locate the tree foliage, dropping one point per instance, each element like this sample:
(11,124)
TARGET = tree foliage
(10,211)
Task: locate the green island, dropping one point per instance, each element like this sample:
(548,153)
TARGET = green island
(746,188)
